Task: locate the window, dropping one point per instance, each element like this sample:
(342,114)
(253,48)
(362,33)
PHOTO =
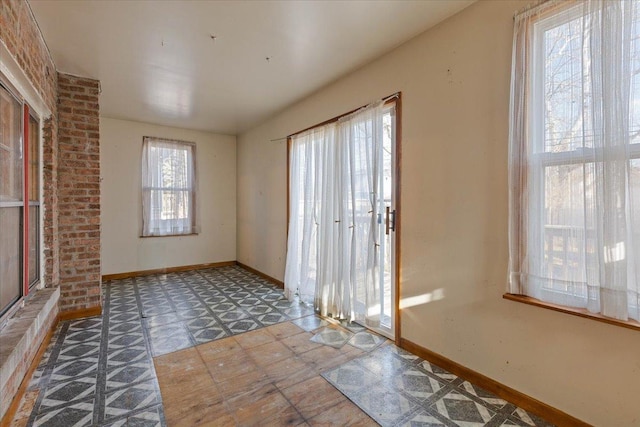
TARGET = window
(575,156)
(168,187)
(19,181)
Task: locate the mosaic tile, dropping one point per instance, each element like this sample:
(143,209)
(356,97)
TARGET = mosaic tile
(463,410)
(530,419)
(366,341)
(151,417)
(310,323)
(483,394)
(416,383)
(204,335)
(350,377)
(438,371)
(422,418)
(332,337)
(128,374)
(272,318)
(65,370)
(83,385)
(131,398)
(383,405)
(61,393)
(77,414)
(83,349)
(244,325)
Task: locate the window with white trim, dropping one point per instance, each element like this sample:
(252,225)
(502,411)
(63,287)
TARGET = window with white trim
(19,197)
(168,187)
(574,159)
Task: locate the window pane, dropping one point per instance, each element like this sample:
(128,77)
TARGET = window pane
(10,148)
(168,186)
(11,195)
(564,78)
(34,160)
(34,247)
(568,224)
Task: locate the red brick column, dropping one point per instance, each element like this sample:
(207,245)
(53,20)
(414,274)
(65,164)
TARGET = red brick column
(79,192)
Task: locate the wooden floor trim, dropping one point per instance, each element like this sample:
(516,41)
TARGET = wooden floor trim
(522,400)
(17,399)
(278,283)
(81,313)
(166,270)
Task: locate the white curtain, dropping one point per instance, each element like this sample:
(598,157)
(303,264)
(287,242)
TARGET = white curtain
(168,187)
(332,254)
(574,159)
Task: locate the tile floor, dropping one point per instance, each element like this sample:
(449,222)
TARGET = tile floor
(223,347)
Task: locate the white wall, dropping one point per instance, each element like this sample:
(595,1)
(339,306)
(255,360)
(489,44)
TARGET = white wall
(120,161)
(455,93)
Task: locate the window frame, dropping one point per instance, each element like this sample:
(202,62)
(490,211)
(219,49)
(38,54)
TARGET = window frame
(192,214)
(539,158)
(27,113)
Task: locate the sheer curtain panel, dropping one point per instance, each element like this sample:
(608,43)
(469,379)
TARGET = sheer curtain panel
(574,156)
(168,187)
(334,205)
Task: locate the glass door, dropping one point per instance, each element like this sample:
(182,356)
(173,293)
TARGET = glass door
(387,226)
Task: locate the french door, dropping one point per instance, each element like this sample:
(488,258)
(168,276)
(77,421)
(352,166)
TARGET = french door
(381,317)
(343,217)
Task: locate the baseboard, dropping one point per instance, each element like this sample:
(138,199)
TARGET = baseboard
(81,313)
(17,399)
(522,400)
(278,283)
(166,270)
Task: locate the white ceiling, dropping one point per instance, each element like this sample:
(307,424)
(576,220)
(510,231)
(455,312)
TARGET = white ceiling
(157,62)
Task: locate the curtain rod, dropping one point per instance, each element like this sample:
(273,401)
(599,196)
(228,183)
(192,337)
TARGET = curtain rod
(385,99)
(538,5)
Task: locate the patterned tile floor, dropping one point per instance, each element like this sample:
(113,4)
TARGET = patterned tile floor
(100,371)
(397,388)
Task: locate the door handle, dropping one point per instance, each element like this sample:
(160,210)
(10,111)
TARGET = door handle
(390,220)
(393,220)
(386,221)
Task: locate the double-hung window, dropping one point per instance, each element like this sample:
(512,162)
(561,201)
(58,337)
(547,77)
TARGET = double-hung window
(168,187)
(19,197)
(574,160)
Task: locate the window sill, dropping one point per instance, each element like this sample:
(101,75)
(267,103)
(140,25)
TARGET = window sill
(170,235)
(580,312)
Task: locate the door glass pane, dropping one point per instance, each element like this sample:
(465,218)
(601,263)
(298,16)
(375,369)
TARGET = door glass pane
(11,173)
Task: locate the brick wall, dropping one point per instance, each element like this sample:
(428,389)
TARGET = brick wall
(20,34)
(79,192)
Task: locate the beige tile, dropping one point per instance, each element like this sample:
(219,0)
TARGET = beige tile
(243,383)
(300,343)
(178,392)
(218,349)
(324,357)
(229,366)
(254,338)
(269,353)
(197,412)
(289,371)
(313,396)
(249,396)
(177,370)
(284,330)
(272,409)
(344,413)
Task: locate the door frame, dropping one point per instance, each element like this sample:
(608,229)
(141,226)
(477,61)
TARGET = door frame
(395,98)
